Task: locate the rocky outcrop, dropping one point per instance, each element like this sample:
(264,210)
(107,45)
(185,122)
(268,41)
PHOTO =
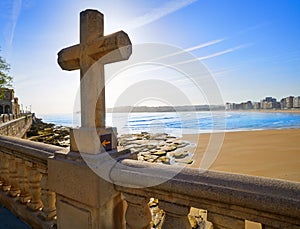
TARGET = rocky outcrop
(157,148)
(49,133)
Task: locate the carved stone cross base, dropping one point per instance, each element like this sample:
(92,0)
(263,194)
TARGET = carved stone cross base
(92,140)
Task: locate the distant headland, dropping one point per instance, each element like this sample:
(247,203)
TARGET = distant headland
(267,104)
(191,108)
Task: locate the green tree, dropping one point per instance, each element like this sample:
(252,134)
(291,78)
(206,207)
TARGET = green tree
(5,78)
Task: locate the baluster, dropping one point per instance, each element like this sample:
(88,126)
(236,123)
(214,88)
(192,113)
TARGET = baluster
(48,198)
(23,170)
(176,215)
(138,215)
(225,222)
(13,177)
(5,172)
(35,189)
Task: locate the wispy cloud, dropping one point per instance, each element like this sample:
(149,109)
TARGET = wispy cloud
(221,53)
(204,45)
(223,72)
(157,13)
(230,50)
(254,27)
(16,9)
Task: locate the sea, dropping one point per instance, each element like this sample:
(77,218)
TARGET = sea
(187,122)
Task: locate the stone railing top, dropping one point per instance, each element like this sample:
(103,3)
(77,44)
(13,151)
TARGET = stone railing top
(11,118)
(192,185)
(29,150)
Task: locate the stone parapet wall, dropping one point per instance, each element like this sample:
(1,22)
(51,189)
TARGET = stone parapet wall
(49,186)
(229,199)
(15,125)
(24,181)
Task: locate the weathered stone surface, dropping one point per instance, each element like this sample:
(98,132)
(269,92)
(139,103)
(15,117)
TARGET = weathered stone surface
(233,197)
(90,56)
(93,47)
(176,215)
(49,133)
(179,155)
(85,194)
(185,161)
(138,215)
(157,148)
(28,161)
(15,125)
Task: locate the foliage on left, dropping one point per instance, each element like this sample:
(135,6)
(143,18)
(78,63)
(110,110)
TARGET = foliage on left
(5,78)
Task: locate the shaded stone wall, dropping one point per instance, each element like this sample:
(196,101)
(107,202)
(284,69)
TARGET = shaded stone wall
(15,125)
(24,181)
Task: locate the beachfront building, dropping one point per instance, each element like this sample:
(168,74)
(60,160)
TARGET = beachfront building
(248,105)
(256,105)
(8,103)
(282,104)
(296,102)
(6,100)
(289,102)
(270,103)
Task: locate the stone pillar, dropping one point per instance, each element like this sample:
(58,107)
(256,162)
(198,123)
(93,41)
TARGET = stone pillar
(23,171)
(176,215)
(86,200)
(13,177)
(35,189)
(225,222)
(48,199)
(138,215)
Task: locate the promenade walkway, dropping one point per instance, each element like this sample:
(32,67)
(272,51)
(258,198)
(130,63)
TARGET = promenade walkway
(10,221)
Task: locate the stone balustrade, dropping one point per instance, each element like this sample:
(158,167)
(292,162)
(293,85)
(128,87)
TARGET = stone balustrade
(46,185)
(229,199)
(15,125)
(24,181)
(8,117)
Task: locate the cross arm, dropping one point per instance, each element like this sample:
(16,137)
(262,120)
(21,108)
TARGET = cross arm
(69,58)
(117,44)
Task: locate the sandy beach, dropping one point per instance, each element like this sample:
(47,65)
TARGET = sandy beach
(268,153)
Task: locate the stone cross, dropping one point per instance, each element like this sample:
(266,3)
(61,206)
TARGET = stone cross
(93,47)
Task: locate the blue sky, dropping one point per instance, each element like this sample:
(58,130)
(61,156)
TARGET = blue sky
(252,49)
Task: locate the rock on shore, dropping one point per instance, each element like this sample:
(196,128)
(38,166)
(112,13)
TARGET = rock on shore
(157,148)
(49,133)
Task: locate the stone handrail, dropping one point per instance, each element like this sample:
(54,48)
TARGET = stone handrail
(8,117)
(15,125)
(24,180)
(229,199)
(39,181)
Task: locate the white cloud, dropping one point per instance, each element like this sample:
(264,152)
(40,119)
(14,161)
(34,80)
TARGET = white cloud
(204,45)
(16,9)
(230,50)
(157,13)
(221,53)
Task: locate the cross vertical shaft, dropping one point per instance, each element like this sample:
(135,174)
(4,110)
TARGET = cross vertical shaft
(91,28)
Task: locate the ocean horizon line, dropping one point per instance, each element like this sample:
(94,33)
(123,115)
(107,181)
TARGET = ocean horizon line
(187,122)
